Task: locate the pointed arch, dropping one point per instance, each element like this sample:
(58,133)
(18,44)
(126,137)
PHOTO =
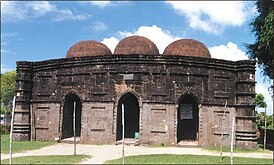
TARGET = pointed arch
(66,116)
(131,92)
(187,117)
(186,94)
(132,115)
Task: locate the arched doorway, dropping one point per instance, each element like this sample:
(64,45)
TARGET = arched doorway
(188,119)
(67,124)
(132,112)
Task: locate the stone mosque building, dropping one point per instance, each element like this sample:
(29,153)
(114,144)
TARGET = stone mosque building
(180,95)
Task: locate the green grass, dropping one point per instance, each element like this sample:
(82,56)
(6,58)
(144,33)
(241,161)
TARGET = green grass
(237,150)
(160,145)
(20,146)
(186,159)
(51,159)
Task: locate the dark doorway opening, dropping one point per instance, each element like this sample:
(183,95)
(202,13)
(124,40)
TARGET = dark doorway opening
(67,124)
(132,112)
(188,119)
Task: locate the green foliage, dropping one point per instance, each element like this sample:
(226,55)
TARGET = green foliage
(269,122)
(259,100)
(237,150)
(5,109)
(5,129)
(49,159)
(19,146)
(262,26)
(260,121)
(260,103)
(187,159)
(8,84)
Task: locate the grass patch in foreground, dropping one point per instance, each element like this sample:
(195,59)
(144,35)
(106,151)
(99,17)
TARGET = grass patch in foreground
(237,150)
(186,159)
(19,146)
(49,159)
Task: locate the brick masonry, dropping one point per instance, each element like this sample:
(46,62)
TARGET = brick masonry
(158,82)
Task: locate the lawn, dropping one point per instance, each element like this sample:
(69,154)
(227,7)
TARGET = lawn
(237,150)
(19,146)
(51,159)
(186,159)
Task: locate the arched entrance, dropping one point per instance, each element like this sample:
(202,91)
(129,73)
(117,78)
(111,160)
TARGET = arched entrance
(188,119)
(67,124)
(132,112)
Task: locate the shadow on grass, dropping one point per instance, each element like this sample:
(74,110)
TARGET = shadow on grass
(20,146)
(238,150)
(48,159)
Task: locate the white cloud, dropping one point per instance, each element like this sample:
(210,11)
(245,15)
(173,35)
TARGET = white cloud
(228,52)
(100,3)
(103,4)
(99,26)
(13,11)
(110,43)
(42,7)
(213,16)
(5,42)
(8,35)
(269,101)
(4,51)
(160,37)
(4,69)
(66,15)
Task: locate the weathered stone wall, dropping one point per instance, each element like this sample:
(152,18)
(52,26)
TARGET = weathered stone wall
(215,125)
(21,126)
(158,122)
(158,82)
(245,106)
(97,127)
(45,119)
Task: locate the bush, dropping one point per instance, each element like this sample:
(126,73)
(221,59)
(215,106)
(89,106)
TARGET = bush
(5,129)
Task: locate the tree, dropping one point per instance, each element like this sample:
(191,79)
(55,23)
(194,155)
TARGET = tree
(8,84)
(269,120)
(262,26)
(260,103)
(259,100)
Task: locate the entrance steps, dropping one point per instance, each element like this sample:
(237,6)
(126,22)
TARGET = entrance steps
(128,141)
(70,140)
(188,144)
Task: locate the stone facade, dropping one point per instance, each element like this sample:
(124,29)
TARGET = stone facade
(156,90)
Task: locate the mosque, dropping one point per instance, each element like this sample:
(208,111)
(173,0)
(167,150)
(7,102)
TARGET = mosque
(182,95)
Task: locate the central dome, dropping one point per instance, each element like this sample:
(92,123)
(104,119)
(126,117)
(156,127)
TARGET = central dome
(88,48)
(136,45)
(187,47)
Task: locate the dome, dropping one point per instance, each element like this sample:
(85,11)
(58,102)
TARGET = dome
(136,45)
(187,47)
(88,48)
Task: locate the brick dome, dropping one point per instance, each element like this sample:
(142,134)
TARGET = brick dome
(187,47)
(136,45)
(88,48)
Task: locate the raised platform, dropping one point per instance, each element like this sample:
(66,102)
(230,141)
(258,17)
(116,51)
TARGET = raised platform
(128,141)
(188,144)
(70,140)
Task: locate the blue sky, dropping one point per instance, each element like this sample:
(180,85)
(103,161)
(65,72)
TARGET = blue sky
(42,30)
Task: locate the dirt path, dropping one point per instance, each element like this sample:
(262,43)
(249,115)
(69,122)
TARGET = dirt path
(102,153)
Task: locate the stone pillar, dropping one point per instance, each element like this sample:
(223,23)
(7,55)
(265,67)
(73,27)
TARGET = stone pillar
(21,127)
(245,105)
